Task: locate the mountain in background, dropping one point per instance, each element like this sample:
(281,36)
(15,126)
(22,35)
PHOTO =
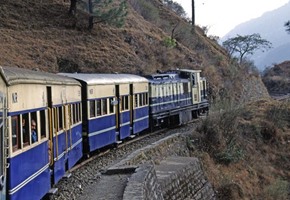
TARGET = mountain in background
(271,27)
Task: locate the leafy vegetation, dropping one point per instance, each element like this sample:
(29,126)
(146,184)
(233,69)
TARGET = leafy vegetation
(169,42)
(278,190)
(101,11)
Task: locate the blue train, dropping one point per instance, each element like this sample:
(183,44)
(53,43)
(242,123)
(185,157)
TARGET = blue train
(48,122)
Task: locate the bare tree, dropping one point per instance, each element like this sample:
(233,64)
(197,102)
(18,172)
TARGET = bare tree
(247,44)
(287,25)
(193,14)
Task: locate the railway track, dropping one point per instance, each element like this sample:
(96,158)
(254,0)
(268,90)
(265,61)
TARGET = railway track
(89,170)
(281,97)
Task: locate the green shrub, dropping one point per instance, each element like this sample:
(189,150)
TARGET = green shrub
(222,134)
(278,190)
(279,115)
(169,42)
(231,153)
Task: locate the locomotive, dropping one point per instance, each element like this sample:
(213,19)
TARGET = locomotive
(75,114)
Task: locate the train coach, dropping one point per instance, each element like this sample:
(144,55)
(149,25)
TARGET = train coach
(115,108)
(41,138)
(48,122)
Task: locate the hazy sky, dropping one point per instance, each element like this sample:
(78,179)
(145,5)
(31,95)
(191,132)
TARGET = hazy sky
(221,16)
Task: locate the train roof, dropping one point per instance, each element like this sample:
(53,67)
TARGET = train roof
(178,75)
(103,79)
(166,77)
(14,75)
(190,70)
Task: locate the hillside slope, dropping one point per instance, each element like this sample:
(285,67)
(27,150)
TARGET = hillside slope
(43,36)
(277,78)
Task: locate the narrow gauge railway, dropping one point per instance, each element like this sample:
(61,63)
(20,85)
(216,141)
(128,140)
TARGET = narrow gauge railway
(281,97)
(48,122)
(83,175)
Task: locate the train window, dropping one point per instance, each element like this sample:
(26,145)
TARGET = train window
(185,88)
(145,96)
(65,116)
(193,80)
(99,107)
(143,99)
(160,91)
(140,99)
(111,106)
(15,123)
(60,118)
(104,106)
(73,113)
(54,111)
(78,112)
(92,108)
(34,127)
(25,129)
(181,88)
(126,102)
(122,103)
(169,90)
(42,124)
(155,91)
(136,101)
(165,91)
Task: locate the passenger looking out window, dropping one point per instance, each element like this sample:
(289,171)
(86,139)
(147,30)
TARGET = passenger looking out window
(33,131)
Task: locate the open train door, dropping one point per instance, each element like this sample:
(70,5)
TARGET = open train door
(3,153)
(195,87)
(118,112)
(132,114)
(50,130)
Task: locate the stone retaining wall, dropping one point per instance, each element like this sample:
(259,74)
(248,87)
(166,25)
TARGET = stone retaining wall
(183,178)
(143,185)
(173,178)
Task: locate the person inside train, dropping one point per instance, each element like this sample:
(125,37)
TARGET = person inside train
(23,126)
(33,131)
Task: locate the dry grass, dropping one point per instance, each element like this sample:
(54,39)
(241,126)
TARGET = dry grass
(41,34)
(277,78)
(263,170)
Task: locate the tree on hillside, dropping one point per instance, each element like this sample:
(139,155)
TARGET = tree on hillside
(176,7)
(73,7)
(287,25)
(193,14)
(247,44)
(101,11)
